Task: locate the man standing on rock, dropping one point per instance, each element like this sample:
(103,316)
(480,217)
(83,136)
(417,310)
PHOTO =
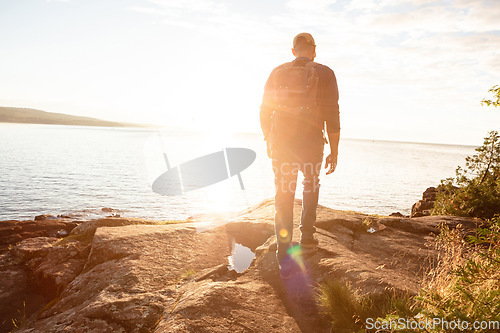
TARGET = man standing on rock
(299,98)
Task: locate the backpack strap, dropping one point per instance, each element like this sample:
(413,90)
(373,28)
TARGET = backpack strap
(311,64)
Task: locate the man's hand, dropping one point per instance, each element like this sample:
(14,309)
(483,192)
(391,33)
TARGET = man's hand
(331,160)
(331,163)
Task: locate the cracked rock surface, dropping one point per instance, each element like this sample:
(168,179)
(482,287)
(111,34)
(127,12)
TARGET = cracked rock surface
(122,275)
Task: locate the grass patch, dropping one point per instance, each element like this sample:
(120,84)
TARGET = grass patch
(349,309)
(463,286)
(188,273)
(367,223)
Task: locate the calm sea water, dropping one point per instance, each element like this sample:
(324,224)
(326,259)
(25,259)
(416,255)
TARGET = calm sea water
(78,170)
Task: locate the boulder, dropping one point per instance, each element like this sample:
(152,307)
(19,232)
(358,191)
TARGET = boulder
(429,194)
(45,217)
(32,248)
(34,272)
(396,214)
(424,207)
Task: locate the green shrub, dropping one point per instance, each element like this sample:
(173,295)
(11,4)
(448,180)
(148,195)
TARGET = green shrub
(466,283)
(475,191)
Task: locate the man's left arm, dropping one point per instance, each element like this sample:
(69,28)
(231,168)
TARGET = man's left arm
(331,160)
(332,119)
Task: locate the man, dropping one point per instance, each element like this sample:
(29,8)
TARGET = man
(299,98)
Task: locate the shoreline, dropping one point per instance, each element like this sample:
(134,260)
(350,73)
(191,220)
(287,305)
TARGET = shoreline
(98,213)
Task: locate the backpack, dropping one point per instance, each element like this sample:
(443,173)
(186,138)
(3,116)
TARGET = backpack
(296,114)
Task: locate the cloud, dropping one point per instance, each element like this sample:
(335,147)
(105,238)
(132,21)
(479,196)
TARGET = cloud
(401,37)
(204,6)
(147,10)
(309,6)
(437,17)
(421,56)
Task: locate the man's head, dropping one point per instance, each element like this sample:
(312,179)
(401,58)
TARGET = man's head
(304,46)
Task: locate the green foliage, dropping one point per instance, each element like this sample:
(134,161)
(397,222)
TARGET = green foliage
(475,191)
(367,223)
(349,310)
(188,273)
(466,283)
(496,97)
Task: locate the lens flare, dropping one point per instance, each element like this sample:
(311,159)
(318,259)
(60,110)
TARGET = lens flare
(295,252)
(283,233)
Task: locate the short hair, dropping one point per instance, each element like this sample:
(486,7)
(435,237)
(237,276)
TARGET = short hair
(303,46)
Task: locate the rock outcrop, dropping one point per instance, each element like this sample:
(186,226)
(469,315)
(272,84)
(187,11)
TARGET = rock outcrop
(12,231)
(124,275)
(424,207)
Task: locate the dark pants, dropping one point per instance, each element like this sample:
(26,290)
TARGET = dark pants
(286,168)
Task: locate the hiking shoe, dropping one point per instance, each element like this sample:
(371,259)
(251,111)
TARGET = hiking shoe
(286,267)
(285,273)
(309,245)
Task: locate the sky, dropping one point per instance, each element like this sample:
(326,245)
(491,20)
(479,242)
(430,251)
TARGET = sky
(409,70)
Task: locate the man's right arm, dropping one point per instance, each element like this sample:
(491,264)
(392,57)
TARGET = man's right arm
(267,107)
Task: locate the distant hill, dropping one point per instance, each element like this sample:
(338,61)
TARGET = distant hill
(33,116)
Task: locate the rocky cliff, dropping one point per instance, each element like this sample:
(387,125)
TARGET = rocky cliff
(131,275)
